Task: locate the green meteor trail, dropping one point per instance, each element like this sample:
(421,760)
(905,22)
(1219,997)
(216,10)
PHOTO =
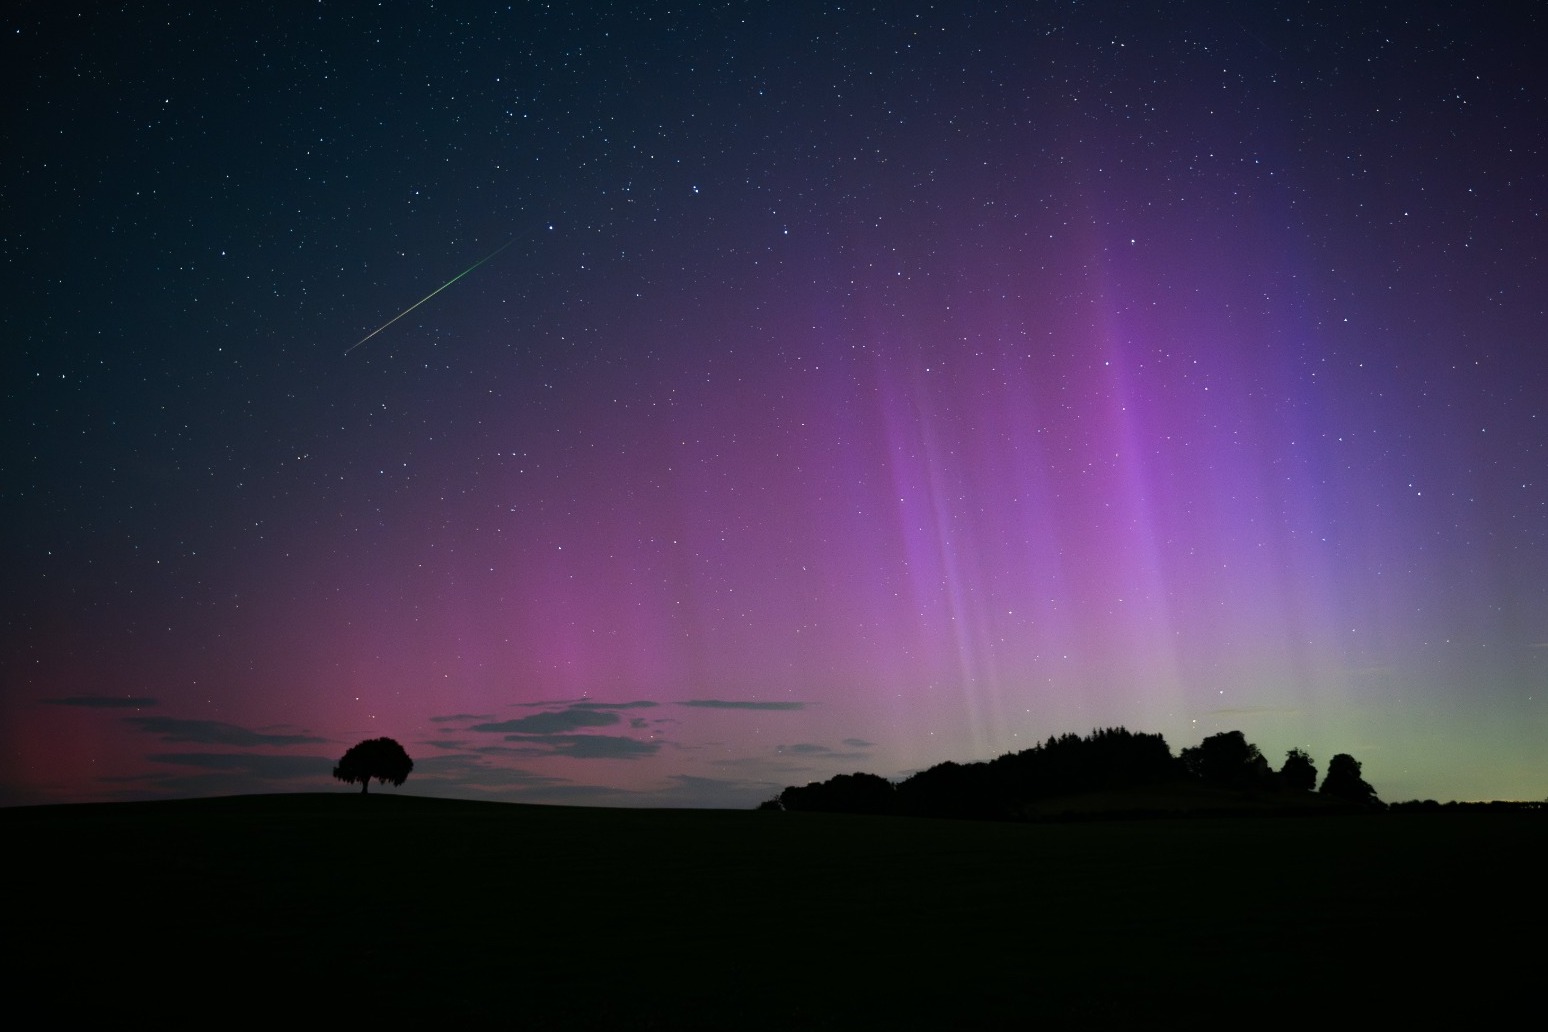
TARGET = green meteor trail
(428,296)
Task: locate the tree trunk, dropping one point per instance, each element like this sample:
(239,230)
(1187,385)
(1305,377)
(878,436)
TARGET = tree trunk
(365,783)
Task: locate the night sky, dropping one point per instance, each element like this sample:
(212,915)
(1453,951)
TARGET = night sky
(843,387)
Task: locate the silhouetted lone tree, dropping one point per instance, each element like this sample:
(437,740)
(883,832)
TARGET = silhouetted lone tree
(1344,781)
(379,758)
(1299,772)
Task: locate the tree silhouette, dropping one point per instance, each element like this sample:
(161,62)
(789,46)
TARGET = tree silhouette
(379,758)
(842,793)
(1344,781)
(1227,759)
(1298,773)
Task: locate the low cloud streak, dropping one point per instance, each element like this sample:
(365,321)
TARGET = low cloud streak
(213,732)
(733,704)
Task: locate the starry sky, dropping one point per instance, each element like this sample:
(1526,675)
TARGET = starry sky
(822,387)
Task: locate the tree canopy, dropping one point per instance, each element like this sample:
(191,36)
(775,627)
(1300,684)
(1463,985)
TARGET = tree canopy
(843,793)
(1343,781)
(1299,772)
(379,758)
(1108,761)
(1108,758)
(1227,759)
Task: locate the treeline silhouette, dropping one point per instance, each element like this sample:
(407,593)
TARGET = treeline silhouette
(1108,760)
(1479,806)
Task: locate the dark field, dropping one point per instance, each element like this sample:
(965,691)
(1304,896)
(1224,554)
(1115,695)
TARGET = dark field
(342,907)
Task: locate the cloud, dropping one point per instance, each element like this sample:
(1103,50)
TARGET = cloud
(603,747)
(582,747)
(551,723)
(471,772)
(608,747)
(552,733)
(102,702)
(721,793)
(730,704)
(584,703)
(213,732)
(545,735)
(212,774)
(762,764)
(460,717)
(855,752)
(259,765)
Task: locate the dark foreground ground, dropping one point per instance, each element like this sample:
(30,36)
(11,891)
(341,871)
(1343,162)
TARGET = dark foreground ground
(340,908)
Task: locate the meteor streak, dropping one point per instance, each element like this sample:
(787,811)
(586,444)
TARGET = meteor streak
(428,296)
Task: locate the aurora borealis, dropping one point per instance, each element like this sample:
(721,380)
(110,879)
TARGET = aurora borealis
(861,387)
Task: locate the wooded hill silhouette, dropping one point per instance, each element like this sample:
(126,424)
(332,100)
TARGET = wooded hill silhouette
(1112,770)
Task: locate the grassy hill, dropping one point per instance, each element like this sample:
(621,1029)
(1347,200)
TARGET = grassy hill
(342,907)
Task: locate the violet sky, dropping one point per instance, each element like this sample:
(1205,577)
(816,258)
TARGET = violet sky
(859,387)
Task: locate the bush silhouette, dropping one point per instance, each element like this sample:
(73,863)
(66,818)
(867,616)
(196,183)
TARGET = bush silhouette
(379,758)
